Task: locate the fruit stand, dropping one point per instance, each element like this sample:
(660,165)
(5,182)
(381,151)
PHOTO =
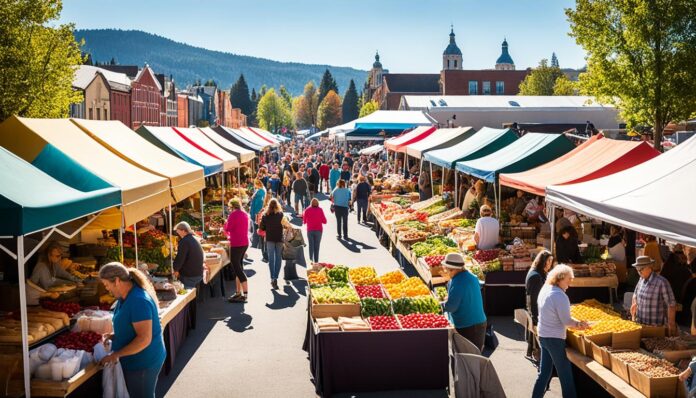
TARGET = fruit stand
(370,333)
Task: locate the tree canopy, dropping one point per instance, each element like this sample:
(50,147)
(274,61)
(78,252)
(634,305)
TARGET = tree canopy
(272,113)
(350,108)
(305,107)
(542,80)
(37,60)
(329,114)
(239,96)
(327,84)
(641,57)
(368,107)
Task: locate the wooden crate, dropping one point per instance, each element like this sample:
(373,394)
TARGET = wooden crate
(652,331)
(602,339)
(335,310)
(626,340)
(657,387)
(619,368)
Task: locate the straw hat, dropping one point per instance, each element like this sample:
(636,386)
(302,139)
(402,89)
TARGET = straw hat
(453,261)
(643,261)
(486,209)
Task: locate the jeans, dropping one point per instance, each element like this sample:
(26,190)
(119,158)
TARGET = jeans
(314,238)
(553,354)
(190,281)
(341,220)
(275,258)
(362,209)
(476,334)
(141,383)
(691,381)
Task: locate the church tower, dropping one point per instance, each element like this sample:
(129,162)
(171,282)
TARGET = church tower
(505,61)
(375,77)
(452,56)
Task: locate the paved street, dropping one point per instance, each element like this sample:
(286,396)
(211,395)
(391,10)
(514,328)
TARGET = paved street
(255,349)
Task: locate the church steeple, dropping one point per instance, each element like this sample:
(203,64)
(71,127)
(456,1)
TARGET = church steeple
(505,61)
(377,64)
(452,56)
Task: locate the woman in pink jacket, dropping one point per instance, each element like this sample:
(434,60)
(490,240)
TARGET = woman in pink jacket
(314,218)
(237,232)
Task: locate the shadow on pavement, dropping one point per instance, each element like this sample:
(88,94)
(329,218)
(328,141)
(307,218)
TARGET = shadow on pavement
(280,301)
(348,244)
(239,321)
(506,326)
(357,243)
(300,286)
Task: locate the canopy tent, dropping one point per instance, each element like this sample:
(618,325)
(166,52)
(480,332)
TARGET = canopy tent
(244,155)
(441,138)
(371,150)
(398,144)
(49,202)
(532,150)
(168,140)
(62,150)
(600,158)
(654,197)
(318,134)
(245,139)
(260,134)
(385,120)
(204,144)
(482,143)
(281,138)
(361,134)
(185,179)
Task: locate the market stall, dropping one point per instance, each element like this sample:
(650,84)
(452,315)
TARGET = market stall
(204,144)
(263,134)
(482,143)
(372,150)
(244,155)
(370,333)
(398,144)
(441,138)
(246,140)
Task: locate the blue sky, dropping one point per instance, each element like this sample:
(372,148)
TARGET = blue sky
(410,35)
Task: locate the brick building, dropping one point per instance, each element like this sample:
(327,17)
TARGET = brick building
(182,108)
(146,99)
(106,94)
(169,101)
(482,82)
(223,110)
(238,119)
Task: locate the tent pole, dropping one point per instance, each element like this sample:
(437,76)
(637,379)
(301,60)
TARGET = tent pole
(23,313)
(171,244)
(456,186)
(499,198)
(135,235)
(120,238)
(552,222)
(202,213)
(222,198)
(495,195)
(432,186)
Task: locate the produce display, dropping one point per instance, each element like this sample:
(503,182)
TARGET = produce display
(658,344)
(601,319)
(363,276)
(417,305)
(317,278)
(374,306)
(78,340)
(434,245)
(445,215)
(411,287)
(434,261)
(434,201)
(374,291)
(392,277)
(483,256)
(441,293)
(649,365)
(383,323)
(69,308)
(338,273)
(338,295)
(458,222)
(423,321)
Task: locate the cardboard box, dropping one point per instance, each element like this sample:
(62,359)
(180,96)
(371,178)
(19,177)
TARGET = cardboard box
(674,356)
(603,339)
(652,331)
(626,340)
(658,387)
(575,342)
(601,355)
(619,368)
(335,310)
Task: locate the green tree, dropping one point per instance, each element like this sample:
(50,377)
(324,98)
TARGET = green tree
(251,120)
(329,111)
(541,81)
(554,61)
(305,107)
(327,84)
(641,57)
(564,86)
(350,108)
(369,107)
(285,95)
(37,60)
(272,112)
(239,96)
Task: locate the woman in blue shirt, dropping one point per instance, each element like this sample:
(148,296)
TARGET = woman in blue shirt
(341,201)
(464,304)
(137,339)
(255,206)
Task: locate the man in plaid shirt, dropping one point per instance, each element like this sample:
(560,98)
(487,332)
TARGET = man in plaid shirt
(653,300)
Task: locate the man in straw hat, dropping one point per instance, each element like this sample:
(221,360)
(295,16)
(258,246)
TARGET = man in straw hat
(464,304)
(653,300)
(487,230)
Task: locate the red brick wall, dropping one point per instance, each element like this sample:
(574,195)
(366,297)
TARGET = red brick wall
(120,106)
(182,110)
(456,82)
(146,101)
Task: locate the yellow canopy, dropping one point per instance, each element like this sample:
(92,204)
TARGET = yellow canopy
(185,178)
(142,194)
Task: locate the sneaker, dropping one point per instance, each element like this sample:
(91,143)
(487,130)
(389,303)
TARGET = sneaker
(274,284)
(238,299)
(234,297)
(265,260)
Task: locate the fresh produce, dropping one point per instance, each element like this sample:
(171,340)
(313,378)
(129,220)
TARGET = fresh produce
(441,292)
(419,305)
(458,222)
(338,295)
(492,266)
(484,256)
(434,261)
(325,265)
(78,340)
(681,343)
(411,287)
(423,321)
(318,278)
(374,291)
(417,225)
(363,276)
(69,308)
(649,365)
(383,323)
(338,273)
(392,277)
(601,318)
(373,306)
(434,245)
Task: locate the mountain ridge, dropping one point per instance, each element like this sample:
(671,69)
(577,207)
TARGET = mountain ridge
(188,63)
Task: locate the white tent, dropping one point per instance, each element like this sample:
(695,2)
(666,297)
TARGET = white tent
(371,150)
(655,197)
(385,120)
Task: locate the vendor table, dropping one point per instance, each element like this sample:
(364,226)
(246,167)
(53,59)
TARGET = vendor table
(177,318)
(377,361)
(426,274)
(604,377)
(215,266)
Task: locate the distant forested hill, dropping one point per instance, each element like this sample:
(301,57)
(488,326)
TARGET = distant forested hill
(188,64)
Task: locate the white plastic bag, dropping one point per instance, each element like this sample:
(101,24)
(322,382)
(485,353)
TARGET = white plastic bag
(93,320)
(113,383)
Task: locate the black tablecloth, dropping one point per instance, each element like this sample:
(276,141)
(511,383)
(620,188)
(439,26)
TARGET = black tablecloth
(377,361)
(176,332)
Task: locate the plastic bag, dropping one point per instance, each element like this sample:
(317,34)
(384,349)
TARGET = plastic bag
(93,321)
(113,382)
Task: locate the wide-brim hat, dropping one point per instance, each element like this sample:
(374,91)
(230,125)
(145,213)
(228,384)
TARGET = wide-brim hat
(453,261)
(643,261)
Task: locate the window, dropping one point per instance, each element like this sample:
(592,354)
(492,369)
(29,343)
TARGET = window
(91,114)
(473,87)
(500,87)
(455,64)
(486,88)
(98,114)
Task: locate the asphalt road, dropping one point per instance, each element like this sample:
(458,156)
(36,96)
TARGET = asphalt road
(254,349)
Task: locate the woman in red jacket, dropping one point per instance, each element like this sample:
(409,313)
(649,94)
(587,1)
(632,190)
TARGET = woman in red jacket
(314,218)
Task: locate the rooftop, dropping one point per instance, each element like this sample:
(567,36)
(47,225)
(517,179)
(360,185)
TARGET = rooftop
(511,102)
